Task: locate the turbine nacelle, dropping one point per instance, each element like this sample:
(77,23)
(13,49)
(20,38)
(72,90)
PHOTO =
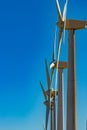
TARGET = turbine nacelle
(60,24)
(72,24)
(58,65)
(52,93)
(52,64)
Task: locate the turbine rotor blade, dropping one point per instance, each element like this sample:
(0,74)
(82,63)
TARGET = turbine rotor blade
(53,56)
(54,48)
(47,75)
(60,37)
(44,93)
(65,10)
(52,72)
(58,10)
(54,52)
(64,16)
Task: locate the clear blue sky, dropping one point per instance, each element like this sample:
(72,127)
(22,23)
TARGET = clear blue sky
(26,38)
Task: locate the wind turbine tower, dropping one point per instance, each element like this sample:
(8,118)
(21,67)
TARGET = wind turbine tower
(50,101)
(60,66)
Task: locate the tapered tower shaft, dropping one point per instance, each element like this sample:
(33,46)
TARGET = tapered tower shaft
(51,126)
(53,119)
(60,66)
(60,100)
(71,90)
(55,113)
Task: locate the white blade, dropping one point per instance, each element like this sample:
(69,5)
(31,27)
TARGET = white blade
(54,49)
(58,10)
(54,53)
(65,10)
(44,93)
(47,75)
(60,38)
(64,17)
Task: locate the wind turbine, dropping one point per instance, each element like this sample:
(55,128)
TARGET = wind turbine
(48,95)
(59,66)
(62,19)
(47,99)
(71,26)
(67,24)
(52,68)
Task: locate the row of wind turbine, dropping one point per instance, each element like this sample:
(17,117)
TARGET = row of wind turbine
(48,98)
(48,95)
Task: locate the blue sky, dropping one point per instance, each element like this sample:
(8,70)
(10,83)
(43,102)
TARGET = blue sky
(26,38)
